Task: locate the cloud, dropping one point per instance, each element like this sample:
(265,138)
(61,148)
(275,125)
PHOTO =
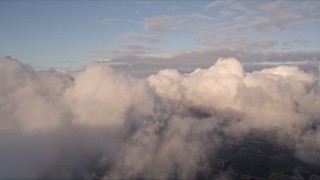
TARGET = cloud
(173,8)
(108,21)
(225,14)
(271,15)
(189,59)
(129,49)
(238,21)
(141,37)
(200,16)
(214,4)
(58,123)
(184,23)
(100,123)
(248,43)
(160,23)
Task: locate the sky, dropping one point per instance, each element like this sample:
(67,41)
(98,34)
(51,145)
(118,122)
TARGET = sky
(151,35)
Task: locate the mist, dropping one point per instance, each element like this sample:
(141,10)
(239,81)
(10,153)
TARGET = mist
(103,124)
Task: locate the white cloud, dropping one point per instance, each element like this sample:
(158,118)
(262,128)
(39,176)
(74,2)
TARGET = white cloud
(103,124)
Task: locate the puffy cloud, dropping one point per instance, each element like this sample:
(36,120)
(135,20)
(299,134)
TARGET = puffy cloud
(100,91)
(226,86)
(100,123)
(23,88)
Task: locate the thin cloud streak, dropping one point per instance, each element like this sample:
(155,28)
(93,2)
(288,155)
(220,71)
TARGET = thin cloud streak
(141,37)
(189,59)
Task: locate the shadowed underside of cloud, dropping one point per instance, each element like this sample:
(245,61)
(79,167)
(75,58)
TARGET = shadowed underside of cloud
(101,123)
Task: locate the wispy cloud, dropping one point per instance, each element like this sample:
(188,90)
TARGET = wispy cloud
(141,37)
(200,16)
(131,49)
(243,17)
(184,23)
(225,13)
(105,20)
(108,21)
(173,8)
(161,23)
(214,4)
(243,29)
(277,15)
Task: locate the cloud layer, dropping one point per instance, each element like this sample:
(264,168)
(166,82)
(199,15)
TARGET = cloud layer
(100,123)
(187,60)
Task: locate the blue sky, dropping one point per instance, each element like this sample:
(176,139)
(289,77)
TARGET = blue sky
(73,34)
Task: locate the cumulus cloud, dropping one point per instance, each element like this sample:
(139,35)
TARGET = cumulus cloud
(100,123)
